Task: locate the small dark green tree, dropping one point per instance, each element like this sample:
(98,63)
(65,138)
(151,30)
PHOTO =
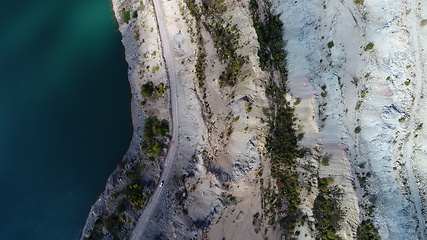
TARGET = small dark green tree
(147,90)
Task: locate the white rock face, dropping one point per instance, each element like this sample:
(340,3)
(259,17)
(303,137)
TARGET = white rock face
(381,90)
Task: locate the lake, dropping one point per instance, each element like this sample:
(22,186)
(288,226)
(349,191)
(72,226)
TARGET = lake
(64,114)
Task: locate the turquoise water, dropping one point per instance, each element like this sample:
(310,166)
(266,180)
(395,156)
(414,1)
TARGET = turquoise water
(64,114)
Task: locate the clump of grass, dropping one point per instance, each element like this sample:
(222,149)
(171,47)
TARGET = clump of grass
(423,23)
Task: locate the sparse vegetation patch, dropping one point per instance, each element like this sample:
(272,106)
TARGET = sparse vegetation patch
(327,211)
(282,139)
(226,37)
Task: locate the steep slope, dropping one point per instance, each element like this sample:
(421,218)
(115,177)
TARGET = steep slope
(360,66)
(339,156)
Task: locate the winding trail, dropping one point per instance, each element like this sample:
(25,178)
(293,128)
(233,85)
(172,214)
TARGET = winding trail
(168,56)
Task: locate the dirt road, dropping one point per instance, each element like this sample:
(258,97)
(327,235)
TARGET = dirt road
(170,157)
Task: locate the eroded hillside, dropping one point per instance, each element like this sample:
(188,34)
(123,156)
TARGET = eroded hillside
(307,124)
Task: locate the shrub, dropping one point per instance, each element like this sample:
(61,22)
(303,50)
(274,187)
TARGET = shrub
(359,103)
(147,90)
(322,184)
(323,94)
(134,195)
(357,130)
(367,231)
(368,47)
(300,137)
(121,207)
(330,44)
(156,149)
(154,127)
(325,161)
(113,223)
(125,15)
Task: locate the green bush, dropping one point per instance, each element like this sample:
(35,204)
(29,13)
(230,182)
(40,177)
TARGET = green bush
(156,149)
(330,44)
(147,89)
(155,127)
(367,231)
(154,132)
(125,15)
(113,224)
(121,207)
(134,195)
(368,47)
(325,161)
(357,130)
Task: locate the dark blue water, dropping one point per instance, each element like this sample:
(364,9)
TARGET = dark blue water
(64,113)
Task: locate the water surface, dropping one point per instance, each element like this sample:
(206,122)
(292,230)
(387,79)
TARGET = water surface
(64,114)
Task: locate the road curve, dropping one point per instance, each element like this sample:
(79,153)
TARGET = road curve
(143,220)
